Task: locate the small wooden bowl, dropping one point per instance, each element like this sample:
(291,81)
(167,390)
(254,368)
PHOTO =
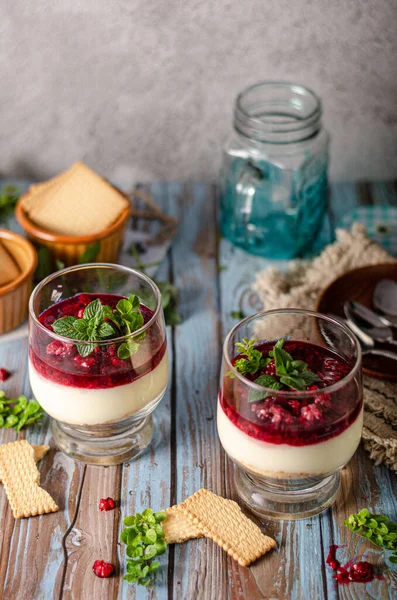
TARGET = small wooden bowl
(70,249)
(359,285)
(14,296)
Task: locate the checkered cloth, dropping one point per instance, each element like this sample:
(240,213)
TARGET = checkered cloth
(380,223)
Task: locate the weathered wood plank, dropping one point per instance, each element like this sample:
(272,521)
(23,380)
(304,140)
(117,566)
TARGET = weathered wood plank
(38,538)
(146,482)
(199,566)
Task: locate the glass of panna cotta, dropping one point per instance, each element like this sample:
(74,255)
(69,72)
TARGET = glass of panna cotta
(290,409)
(98,361)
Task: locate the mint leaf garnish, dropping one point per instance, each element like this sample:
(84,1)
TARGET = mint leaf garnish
(144,538)
(282,360)
(94,310)
(102,323)
(268,381)
(378,529)
(19,412)
(290,373)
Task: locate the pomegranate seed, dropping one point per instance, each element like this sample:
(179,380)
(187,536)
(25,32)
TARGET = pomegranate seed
(106,504)
(102,569)
(4,374)
(270,369)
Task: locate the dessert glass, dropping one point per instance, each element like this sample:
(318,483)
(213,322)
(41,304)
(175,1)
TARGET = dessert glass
(289,447)
(100,404)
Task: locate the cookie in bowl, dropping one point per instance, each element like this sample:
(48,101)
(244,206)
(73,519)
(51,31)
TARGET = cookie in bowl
(74,211)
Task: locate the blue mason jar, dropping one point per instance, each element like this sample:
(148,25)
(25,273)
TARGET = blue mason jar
(273,184)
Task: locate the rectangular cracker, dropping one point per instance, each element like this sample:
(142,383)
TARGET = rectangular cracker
(39,452)
(178,528)
(21,479)
(224,522)
(79,205)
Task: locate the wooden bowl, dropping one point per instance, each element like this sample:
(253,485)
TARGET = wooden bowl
(70,249)
(14,296)
(359,285)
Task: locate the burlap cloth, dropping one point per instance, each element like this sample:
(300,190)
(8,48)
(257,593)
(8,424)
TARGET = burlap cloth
(300,287)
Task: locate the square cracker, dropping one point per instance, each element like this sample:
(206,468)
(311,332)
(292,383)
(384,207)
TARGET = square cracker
(39,452)
(21,479)
(178,528)
(224,522)
(80,205)
(39,193)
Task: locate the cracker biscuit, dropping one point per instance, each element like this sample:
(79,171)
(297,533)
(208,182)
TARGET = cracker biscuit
(39,452)
(39,193)
(9,270)
(79,205)
(178,528)
(224,522)
(21,479)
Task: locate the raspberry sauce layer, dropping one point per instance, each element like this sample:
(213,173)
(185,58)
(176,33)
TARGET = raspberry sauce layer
(301,420)
(60,362)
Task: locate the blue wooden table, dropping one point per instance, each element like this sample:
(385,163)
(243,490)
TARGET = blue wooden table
(51,556)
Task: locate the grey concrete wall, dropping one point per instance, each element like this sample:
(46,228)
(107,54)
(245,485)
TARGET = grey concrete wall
(143,89)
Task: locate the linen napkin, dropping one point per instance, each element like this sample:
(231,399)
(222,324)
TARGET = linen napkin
(300,287)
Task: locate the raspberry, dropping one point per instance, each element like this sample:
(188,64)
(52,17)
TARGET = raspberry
(57,348)
(80,314)
(324,401)
(311,413)
(280,415)
(102,569)
(86,362)
(117,362)
(4,374)
(106,504)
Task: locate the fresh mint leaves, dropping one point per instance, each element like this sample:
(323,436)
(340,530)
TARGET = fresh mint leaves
(144,537)
(268,381)
(289,372)
(378,529)
(251,361)
(19,412)
(102,323)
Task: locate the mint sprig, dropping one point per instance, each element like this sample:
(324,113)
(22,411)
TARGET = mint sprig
(144,537)
(91,327)
(378,529)
(289,372)
(18,412)
(252,360)
(102,323)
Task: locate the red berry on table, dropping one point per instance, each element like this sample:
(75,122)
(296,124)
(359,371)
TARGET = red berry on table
(102,569)
(4,374)
(106,504)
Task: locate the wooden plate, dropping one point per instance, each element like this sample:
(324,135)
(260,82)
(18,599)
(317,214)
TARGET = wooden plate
(359,285)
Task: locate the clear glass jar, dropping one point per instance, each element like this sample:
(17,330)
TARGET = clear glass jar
(273,182)
(289,445)
(100,396)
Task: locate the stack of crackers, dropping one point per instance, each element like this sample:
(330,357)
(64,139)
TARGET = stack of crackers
(209,515)
(21,479)
(77,202)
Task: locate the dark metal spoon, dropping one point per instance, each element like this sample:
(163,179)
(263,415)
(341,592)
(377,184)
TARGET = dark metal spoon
(385,298)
